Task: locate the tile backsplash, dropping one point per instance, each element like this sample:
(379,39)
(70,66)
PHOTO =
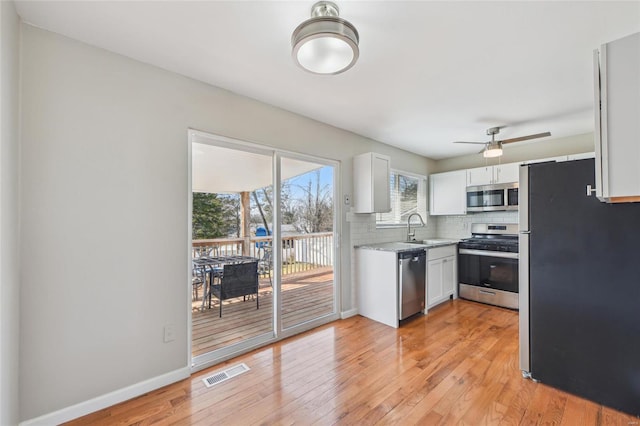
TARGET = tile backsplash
(364,231)
(458,227)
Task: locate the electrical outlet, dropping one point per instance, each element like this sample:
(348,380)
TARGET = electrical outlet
(169,333)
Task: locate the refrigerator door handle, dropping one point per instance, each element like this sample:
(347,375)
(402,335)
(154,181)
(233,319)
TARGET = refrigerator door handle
(525,232)
(523,304)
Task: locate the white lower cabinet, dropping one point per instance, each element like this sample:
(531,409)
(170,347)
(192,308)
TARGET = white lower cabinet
(377,285)
(442,272)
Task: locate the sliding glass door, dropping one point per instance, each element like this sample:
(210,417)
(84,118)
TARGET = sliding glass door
(262,245)
(307,233)
(232,296)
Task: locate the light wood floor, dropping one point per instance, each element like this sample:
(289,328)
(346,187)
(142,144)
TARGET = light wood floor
(457,365)
(306,296)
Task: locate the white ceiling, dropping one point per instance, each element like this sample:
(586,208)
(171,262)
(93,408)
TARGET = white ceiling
(215,169)
(429,73)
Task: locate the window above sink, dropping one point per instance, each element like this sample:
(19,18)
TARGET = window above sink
(408,195)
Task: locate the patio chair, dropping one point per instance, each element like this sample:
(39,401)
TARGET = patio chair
(238,279)
(265,263)
(197,280)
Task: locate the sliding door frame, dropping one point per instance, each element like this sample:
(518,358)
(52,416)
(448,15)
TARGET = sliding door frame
(337,213)
(203,361)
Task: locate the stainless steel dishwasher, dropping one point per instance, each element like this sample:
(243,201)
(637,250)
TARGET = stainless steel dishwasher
(412,267)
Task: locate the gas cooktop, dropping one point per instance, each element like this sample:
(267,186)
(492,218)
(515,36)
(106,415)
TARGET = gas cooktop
(494,237)
(493,244)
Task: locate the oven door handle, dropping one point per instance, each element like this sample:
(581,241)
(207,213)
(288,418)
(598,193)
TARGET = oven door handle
(503,254)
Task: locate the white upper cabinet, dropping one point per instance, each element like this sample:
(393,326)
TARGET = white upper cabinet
(617,119)
(502,173)
(506,173)
(371,176)
(447,193)
(480,176)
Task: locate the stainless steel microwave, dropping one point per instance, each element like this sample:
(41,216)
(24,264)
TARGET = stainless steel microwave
(503,196)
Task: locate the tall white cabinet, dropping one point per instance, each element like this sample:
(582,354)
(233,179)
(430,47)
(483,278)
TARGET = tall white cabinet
(371,176)
(617,106)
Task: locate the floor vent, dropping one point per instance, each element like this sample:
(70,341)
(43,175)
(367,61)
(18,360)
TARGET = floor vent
(225,375)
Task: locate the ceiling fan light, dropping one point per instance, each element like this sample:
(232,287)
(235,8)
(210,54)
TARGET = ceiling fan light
(491,153)
(492,150)
(325,44)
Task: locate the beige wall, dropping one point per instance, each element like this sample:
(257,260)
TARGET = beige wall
(522,151)
(9,214)
(104,212)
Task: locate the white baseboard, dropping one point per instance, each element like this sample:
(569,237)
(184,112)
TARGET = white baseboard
(109,399)
(350,313)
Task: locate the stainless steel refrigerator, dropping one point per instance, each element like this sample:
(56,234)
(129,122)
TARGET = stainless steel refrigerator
(579,286)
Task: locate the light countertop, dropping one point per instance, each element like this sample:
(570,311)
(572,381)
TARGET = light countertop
(401,246)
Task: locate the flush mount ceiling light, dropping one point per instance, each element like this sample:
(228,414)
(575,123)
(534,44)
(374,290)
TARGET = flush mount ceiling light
(326,43)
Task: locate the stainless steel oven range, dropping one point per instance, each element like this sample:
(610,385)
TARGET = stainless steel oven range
(488,264)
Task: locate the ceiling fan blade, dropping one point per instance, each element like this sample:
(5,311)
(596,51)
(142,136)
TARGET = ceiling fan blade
(475,143)
(525,138)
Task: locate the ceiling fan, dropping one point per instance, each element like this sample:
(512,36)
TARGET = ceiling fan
(493,148)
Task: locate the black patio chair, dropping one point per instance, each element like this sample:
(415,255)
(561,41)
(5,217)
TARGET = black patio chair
(238,279)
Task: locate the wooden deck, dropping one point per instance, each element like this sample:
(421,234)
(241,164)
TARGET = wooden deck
(305,296)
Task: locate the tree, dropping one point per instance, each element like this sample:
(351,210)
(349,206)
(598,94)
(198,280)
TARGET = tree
(314,212)
(231,214)
(262,202)
(210,218)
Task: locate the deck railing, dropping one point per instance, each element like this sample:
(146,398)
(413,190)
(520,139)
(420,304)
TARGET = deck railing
(300,252)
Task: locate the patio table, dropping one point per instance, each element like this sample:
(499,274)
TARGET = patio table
(213,265)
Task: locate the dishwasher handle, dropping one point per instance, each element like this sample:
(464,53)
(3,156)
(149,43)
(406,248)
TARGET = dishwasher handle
(414,255)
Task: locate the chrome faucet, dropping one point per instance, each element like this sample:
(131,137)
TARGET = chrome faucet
(411,236)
